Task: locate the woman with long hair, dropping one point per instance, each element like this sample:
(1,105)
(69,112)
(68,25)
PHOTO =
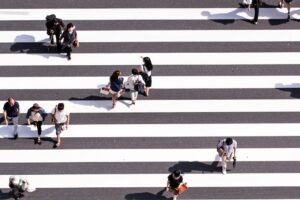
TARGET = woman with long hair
(115,86)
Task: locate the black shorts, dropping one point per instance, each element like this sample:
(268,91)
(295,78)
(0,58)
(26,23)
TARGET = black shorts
(148,83)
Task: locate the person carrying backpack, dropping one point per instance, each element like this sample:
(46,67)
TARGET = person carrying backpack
(226,149)
(55,27)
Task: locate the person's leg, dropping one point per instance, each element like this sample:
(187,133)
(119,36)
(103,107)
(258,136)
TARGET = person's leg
(58,131)
(39,130)
(68,49)
(288,5)
(132,96)
(15,121)
(114,99)
(224,164)
(256,12)
(136,93)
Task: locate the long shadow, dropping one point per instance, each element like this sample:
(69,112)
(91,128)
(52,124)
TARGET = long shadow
(294,89)
(196,166)
(6,195)
(148,196)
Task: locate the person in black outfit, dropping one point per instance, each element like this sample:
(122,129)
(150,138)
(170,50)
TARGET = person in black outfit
(255,4)
(11,111)
(174,182)
(55,27)
(70,38)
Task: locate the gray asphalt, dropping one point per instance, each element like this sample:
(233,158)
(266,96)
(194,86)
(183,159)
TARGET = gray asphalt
(160,70)
(291,92)
(157,94)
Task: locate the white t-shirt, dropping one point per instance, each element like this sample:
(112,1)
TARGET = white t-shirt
(60,116)
(228,149)
(36,116)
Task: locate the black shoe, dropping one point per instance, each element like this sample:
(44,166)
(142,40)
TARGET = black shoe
(16,136)
(52,41)
(289,17)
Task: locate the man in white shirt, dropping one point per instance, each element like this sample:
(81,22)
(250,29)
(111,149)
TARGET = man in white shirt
(227,150)
(61,118)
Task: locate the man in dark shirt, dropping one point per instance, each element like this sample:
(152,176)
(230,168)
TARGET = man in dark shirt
(11,110)
(174,181)
(55,27)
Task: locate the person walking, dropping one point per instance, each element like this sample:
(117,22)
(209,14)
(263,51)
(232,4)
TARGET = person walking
(146,72)
(175,181)
(288,5)
(55,26)
(133,83)
(226,149)
(36,115)
(115,85)
(61,119)
(69,37)
(11,111)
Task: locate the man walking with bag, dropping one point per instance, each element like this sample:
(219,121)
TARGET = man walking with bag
(227,150)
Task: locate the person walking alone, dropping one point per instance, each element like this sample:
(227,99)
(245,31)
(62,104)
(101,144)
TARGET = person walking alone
(175,181)
(146,73)
(226,149)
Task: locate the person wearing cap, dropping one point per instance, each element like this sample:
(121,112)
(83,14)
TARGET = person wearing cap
(11,111)
(227,150)
(36,115)
(175,180)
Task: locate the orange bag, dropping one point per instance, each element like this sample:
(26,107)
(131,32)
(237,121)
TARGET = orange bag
(181,189)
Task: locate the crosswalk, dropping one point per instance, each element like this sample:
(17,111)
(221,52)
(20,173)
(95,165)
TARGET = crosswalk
(215,75)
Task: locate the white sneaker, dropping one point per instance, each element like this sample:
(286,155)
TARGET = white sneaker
(224,171)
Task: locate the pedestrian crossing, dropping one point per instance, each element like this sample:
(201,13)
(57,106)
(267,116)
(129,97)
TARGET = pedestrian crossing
(215,75)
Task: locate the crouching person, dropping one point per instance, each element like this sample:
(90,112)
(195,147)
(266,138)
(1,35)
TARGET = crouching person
(19,186)
(227,150)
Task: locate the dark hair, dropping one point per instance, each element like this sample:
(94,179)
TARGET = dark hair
(229,141)
(148,63)
(60,106)
(134,71)
(115,76)
(69,25)
(35,106)
(177,173)
(10,98)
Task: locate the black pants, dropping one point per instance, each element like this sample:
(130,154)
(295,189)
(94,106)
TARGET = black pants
(256,9)
(68,49)
(39,127)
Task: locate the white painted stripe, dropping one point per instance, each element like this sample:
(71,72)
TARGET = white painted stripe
(159,82)
(275,58)
(161,36)
(161,130)
(145,155)
(158,180)
(170,106)
(145,14)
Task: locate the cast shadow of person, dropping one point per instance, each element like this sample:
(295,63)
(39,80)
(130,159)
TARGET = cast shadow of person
(293,88)
(45,133)
(148,196)
(187,167)
(6,195)
(222,18)
(27,44)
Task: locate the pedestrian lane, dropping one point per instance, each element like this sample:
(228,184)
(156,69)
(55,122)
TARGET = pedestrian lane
(215,75)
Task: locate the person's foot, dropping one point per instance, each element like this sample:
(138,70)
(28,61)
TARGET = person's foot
(16,136)
(69,57)
(288,17)
(56,145)
(39,141)
(224,171)
(133,102)
(52,41)
(255,22)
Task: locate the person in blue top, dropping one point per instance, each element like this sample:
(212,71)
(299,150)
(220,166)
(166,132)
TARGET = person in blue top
(36,115)
(115,86)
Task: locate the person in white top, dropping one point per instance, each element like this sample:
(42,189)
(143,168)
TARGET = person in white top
(227,150)
(131,82)
(61,118)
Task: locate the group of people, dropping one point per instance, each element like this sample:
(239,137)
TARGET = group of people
(36,116)
(256,5)
(139,81)
(56,27)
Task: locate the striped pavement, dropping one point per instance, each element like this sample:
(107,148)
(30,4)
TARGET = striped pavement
(215,75)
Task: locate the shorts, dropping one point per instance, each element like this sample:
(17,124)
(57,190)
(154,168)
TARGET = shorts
(148,83)
(58,128)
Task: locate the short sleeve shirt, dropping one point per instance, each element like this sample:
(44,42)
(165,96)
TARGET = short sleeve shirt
(11,111)
(228,149)
(173,182)
(60,116)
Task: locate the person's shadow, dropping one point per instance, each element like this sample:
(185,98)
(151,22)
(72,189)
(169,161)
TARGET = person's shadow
(148,196)
(293,88)
(196,166)
(6,195)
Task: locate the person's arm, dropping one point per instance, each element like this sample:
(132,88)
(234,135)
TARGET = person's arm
(68,121)
(168,186)
(27,116)
(43,113)
(5,117)
(234,152)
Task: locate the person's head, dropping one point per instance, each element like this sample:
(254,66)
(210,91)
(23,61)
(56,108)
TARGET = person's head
(115,75)
(11,101)
(134,71)
(148,63)
(55,22)
(176,173)
(228,141)
(70,27)
(60,107)
(35,107)
(14,180)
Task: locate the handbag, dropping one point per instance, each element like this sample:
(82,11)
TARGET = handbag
(183,187)
(104,90)
(76,44)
